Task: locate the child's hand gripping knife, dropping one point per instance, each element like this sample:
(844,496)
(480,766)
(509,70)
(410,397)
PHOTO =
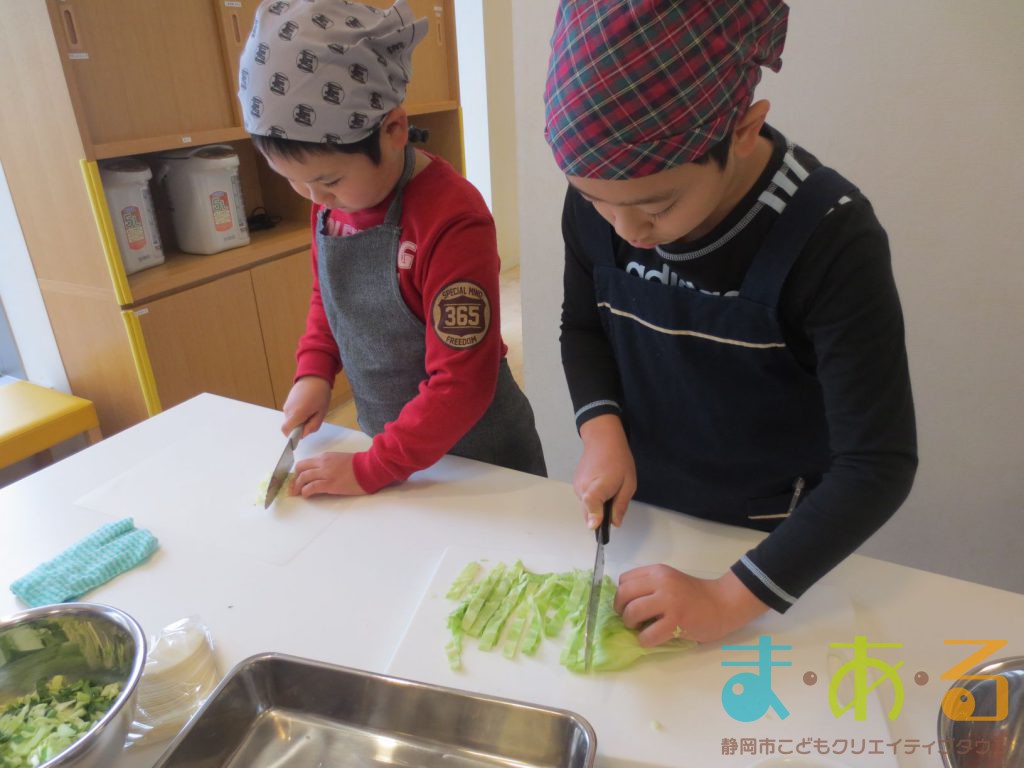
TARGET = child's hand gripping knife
(606,470)
(308,402)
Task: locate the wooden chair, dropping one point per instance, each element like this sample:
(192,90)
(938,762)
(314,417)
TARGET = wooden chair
(33,419)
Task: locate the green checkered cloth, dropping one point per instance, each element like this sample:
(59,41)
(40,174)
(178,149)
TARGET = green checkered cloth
(95,560)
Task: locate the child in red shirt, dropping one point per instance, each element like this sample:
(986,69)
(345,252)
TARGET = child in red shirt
(405,261)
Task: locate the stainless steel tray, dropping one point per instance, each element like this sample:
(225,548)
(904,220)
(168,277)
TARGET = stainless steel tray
(275,711)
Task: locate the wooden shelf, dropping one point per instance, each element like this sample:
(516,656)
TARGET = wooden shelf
(165,143)
(428,108)
(185,270)
(200,138)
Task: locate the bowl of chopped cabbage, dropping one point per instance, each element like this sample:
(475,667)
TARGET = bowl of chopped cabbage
(68,678)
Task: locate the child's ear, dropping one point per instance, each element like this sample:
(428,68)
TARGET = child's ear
(748,128)
(395,128)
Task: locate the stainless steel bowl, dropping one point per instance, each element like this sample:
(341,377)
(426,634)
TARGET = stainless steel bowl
(103,644)
(1002,735)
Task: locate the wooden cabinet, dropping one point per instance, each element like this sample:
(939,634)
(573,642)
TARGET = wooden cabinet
(208,339)
(235,25)
(431,82)
(88,80)
(235,336)
(162,62)
(282,291)
(173,69)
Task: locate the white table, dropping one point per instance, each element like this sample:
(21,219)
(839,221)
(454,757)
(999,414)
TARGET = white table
(346,597)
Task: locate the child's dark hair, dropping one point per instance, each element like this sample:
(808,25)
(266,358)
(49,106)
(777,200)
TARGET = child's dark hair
(291,149)
(719,152)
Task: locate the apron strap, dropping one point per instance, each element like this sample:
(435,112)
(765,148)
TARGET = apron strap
(394,214)
(818,194)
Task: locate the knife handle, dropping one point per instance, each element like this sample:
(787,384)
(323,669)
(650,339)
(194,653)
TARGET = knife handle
(602,531)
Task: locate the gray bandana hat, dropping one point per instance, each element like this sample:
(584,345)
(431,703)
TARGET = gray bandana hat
(325,70)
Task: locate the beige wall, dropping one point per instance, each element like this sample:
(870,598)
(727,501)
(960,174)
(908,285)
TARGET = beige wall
(921,104)
(540,189)
(501,123)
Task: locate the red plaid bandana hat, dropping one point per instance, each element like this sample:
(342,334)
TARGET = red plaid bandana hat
(640,86)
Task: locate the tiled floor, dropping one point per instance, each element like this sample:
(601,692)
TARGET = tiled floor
(511,331)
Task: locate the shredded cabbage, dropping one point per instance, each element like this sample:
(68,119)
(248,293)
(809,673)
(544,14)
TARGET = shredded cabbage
(525,607)
(464,579)
(264,486)
(39,726)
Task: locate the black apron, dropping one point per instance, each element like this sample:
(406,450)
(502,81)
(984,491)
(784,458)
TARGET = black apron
(722,420)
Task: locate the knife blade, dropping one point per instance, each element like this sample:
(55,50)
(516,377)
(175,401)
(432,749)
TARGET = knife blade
(284,465)
(601,534)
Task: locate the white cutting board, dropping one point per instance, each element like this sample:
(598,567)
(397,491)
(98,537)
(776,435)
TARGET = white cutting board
(209,484)
(680,692)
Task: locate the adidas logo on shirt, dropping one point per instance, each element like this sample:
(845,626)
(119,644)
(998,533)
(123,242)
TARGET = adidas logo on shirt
(668,277)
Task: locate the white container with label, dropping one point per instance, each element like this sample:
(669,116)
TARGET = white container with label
(205,196)
(126,187)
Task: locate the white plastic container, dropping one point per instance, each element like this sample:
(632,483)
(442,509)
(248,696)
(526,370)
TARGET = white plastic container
(126,187)
(205,195)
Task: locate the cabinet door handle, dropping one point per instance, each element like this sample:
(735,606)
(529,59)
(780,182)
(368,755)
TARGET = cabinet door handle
(67,18)
(439,26)
(236,28)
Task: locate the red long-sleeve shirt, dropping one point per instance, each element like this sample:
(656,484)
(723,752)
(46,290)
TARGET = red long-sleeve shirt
(448,237)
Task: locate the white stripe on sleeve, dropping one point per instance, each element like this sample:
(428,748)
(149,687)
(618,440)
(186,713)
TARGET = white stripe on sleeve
(763,578)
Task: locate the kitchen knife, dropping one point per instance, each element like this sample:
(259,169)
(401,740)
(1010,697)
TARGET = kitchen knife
(284,465)
(601,534)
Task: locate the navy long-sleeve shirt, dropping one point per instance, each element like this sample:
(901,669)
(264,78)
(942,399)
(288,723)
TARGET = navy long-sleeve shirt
(842,321)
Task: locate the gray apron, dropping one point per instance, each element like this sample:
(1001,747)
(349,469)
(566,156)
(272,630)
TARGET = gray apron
(383,344)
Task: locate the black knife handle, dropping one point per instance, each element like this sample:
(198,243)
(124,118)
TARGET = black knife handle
(601,532)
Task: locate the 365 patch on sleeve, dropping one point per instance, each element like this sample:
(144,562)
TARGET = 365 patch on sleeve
(461,314)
